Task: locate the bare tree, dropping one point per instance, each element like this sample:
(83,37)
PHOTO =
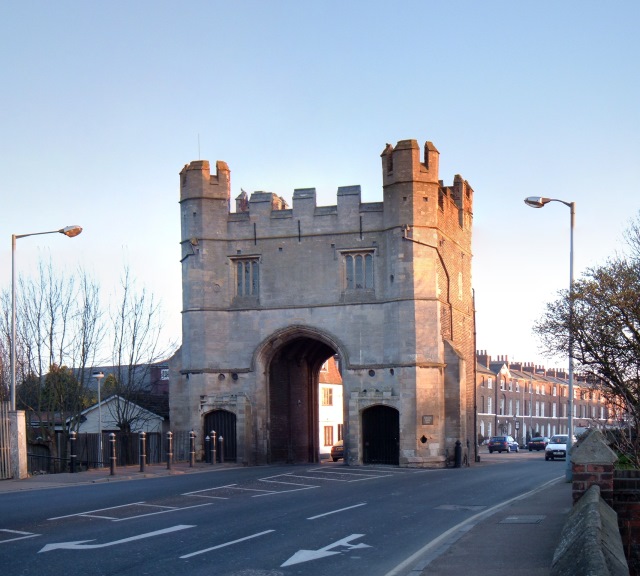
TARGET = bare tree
(136,327)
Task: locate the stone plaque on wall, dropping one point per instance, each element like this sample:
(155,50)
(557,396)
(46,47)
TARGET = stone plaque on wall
(427,420)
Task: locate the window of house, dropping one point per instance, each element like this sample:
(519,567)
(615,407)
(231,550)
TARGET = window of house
(339,431)
(502,405)
(247,277)
(164,374)
(489,382)
(325,366)
(517,407)
(510,385)
(510,407)
(327,396)
(555,390)
(358,270)
(517,386)
(328,435)
(489,405)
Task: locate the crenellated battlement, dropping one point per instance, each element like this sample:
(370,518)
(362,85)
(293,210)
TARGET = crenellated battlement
(411,185)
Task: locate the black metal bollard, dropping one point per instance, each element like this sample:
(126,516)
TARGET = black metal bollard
(169,450)
(192,448)
(112,441)
(458,454)
(143,450)
(213,446)
(72,450)
(207,458)
(221,440)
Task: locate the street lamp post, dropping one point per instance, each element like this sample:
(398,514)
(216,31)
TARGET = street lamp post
(99,376)
(539,202)
(69,231)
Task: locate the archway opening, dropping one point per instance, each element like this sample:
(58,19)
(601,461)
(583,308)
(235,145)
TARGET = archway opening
(293,400)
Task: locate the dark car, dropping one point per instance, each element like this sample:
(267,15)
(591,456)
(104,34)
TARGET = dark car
(538,443)
(502,444)
(337,450)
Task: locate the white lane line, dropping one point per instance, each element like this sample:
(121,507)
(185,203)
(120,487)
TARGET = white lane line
(196,492)
(284,491)
(163,512)
(93,511)
(413,559)
(22,535)
(205,496)
(336,511)
(227,544)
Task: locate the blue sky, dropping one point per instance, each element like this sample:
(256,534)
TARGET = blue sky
(101,104)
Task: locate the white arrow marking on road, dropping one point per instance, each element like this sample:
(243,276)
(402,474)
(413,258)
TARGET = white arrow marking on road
(307,555)
(80,544)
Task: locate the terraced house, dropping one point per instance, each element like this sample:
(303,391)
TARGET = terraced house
(524,400)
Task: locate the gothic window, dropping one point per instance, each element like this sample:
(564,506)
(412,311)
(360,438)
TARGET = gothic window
(358,270)
(247,277)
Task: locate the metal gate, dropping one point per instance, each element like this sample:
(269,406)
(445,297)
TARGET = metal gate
(380,435)
(224,425)
(5,442)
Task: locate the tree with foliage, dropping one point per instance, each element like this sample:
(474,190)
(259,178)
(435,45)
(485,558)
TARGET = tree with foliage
(600,321)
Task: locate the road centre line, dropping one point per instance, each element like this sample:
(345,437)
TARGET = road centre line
(337,511)
(227,544)
(93,511)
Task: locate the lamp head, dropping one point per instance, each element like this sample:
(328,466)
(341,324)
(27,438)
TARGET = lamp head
(98,375)
(71,231)
(536,201)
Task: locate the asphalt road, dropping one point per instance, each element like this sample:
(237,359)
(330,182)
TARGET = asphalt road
(263,521)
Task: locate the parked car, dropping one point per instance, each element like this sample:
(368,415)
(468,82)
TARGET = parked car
(538,443)
(337,450)
(503,444)
(557,447)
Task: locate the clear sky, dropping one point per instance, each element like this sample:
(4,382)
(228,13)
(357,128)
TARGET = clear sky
(101,104)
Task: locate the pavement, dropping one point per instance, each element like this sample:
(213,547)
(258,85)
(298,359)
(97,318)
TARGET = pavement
(516,537)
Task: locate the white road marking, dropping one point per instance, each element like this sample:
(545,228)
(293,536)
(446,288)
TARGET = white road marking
(307,555)
(336,511)
(23,535)
(93,511)
(413,559)
(162,512)
(227,544)
(80,544)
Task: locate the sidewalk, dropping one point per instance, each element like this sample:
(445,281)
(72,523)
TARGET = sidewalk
(99,475)
(519,538)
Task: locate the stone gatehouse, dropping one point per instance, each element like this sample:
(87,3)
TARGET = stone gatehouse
(270,292)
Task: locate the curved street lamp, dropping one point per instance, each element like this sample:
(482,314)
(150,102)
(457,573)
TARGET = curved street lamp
(70,231)
(540,202)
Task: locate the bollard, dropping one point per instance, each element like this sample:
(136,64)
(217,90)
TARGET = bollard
(207,456)
(112,441)
(221,449)
(192,448)
(458,454)
(143,450)
(169,450)
(213,446)
(72,449)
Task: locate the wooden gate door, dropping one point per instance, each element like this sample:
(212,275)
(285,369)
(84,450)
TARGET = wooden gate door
(380,435)
(224,424)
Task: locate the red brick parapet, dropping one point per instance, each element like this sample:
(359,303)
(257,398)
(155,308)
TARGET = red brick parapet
(592,462)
